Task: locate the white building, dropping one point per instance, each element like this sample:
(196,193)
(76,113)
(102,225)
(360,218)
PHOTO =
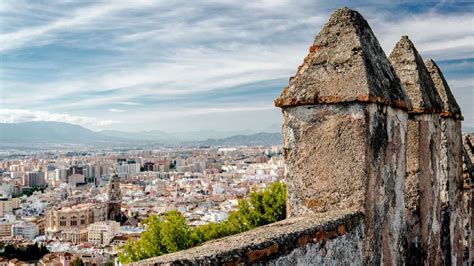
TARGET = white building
(102,233)
(122,168)
(133,168)
(27,230)
(61,174)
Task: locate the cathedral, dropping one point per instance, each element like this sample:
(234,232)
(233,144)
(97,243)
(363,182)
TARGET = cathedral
(114,199)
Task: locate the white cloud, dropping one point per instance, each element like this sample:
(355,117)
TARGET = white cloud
(158,49)
(441,36)
(192,71)
(74,20)
(23,115)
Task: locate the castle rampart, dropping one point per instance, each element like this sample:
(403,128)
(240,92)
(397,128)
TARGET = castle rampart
(372,150)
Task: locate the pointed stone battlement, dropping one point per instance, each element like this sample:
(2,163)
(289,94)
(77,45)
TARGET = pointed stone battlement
(450,107)
(414,76)
(345,64)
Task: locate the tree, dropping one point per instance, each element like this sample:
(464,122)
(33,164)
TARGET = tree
(31,252)
(9,251)
(175,233)
(165,234)
(170,233)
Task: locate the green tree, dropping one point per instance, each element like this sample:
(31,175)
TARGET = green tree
(170,233)
(175,233)
(9,251)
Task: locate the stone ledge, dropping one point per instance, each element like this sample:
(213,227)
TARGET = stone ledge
(264,243)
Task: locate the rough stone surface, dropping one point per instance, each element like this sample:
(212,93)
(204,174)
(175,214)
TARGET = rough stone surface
(451,180)
(345,64)
(468,175)
(363,170)
(422,186)
(298,239)
(449,105)
(343,250)
(315,162)
(415,78)
(452,187)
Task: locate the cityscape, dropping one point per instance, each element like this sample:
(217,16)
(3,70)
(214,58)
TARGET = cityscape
(270,132)
(89,204)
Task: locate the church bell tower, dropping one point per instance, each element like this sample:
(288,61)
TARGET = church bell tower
(114,198)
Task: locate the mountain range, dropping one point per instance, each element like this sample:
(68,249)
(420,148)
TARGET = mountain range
(58,132)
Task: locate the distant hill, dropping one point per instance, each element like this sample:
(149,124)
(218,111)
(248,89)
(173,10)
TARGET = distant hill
(42,132)
(261,138)
(49,132)
(144,135)
(174,137)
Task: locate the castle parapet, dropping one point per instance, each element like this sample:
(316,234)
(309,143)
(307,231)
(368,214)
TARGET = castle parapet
(451,180)
(344,133)
(422,180)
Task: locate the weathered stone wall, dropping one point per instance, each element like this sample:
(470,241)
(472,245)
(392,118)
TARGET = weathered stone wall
(343,250)
(363,170)
(344,130)
(451,165)
(422,190)
(468,172)
(451,180)
(422,187)
(332,238)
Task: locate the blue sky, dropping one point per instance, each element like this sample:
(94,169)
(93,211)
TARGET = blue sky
(194,65)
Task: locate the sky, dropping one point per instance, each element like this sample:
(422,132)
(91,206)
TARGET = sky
(195,65)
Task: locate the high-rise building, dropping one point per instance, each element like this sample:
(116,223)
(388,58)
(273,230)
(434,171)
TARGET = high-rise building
(34,179)
(76,170)
(61,174)
(122,168)
(133,168)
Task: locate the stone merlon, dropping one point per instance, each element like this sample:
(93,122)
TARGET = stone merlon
(345,64)
(415,78)
(450,107)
